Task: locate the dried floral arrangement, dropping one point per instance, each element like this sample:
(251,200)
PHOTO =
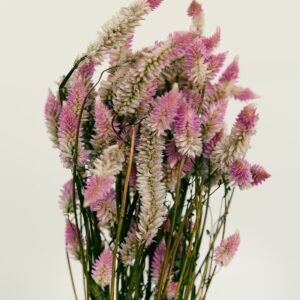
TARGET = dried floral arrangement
(148,150)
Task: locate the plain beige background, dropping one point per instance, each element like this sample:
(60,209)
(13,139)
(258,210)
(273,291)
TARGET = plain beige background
(39,41)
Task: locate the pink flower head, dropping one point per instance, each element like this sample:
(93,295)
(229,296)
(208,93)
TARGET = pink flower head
(213,41)
(240,173)
(212,119)
(105,208)
(214,64)
(187,131)
(87,69)
(103,122)
(76,95)
(66,197)
(226,250)
(102,268)
(165,110)
(171,289)
(97,188)
(210,146)
(154,3)
(259,174)
(157,261)
(194,9)
(231,73)
(71,238)
(173,155)
(246,121)
(243,94)
(52,111)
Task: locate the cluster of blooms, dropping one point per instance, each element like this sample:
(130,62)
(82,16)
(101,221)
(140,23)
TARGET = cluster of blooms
(174,95)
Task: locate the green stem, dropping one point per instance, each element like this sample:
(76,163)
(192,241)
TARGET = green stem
(123,206)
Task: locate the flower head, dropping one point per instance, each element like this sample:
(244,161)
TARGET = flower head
(154,3)
(71,238)
(164,112)
(52,111)
(102,268)
(259,174)
(194,9)
(231,73)
(66,197)
(240,173)
(226,250)
(187,131)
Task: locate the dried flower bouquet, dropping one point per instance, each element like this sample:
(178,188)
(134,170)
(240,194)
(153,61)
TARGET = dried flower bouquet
(149,152)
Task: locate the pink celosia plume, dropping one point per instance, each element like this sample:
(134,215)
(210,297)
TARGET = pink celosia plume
(102,268)
(259,174)
(240,173)
(227,249)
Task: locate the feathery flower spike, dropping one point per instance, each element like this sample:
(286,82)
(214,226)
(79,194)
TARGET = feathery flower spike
(240,173)
(102,268)
(259,174)
(227,249)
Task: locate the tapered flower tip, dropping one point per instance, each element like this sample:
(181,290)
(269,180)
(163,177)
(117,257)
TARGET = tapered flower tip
(102,268)
(247,118)
(194,9)
(231,73)
(171,289)
(227,249)
(243,94)
(259,174)
(154,3)
(240,173)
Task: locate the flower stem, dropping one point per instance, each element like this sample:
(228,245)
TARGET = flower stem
(122,212)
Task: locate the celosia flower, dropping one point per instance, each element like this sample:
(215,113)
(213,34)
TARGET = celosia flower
(212,119)
(97,187)
(210,146)
(72,242)
(240,173)
(259,174)
(231,73)
(172,154)
(226,250)
(210,43)
(245,122)
(187,131)
(156,268)
(102,268)
(129,246)
(105,208)
(194,9)
(243,94)
(52,111)
(105,130)
(154,3)
(149,184)
(164,111)
(66,197)
(196,12)
(118,29)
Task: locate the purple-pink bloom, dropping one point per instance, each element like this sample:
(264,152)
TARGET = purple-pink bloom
(172,153)
(97,188)
(227,249)
(102,268)
(164,112)
(231,73)
(52,111)
(245,122)
(259,174)
(213,41)
(210,146)
(243,94)
(240,173)
(212,119)
(194,9)
(187,131)
(154,3)
(66,197)
(103,123)
(71,239)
